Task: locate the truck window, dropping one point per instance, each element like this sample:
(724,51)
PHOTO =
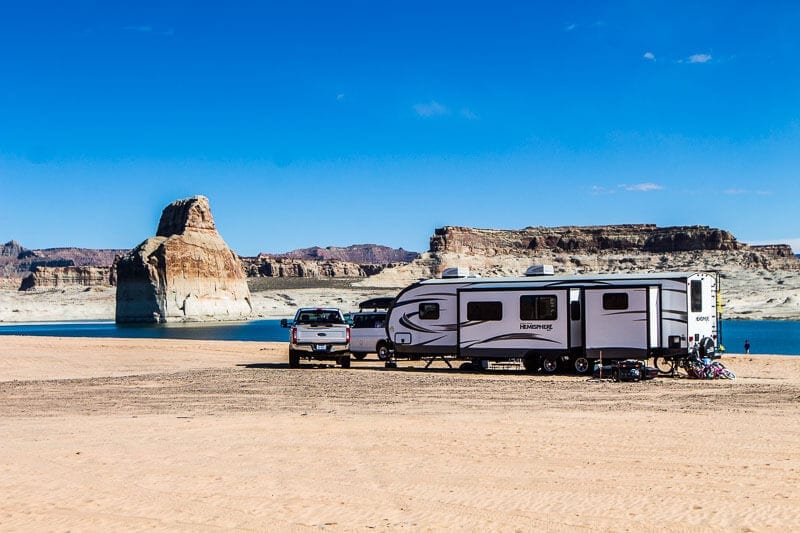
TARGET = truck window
(615,301)
(320,317)
(429,311)
(483,311)
(538,307)
(696,289)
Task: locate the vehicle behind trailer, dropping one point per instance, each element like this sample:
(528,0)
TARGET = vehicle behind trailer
(368,329)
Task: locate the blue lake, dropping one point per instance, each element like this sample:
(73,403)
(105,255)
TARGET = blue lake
(765,336)
(256,330)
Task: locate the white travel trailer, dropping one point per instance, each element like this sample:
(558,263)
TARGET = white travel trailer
(549,321)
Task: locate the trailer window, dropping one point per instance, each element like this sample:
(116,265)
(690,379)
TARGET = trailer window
(697,295)
(540,307)
(429,311)
(483,311)
(615,301)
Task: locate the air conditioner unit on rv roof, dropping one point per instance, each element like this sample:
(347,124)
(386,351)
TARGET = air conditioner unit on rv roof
(540,270)
(455,272)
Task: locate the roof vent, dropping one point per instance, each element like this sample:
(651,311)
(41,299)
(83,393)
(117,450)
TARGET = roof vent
(540,270)
(455,272)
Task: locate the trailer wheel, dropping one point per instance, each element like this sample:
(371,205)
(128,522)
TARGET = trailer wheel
(359,355)
(550,364)
(383,351)
(467,366)
(345,361)
(294,359)
(581,365)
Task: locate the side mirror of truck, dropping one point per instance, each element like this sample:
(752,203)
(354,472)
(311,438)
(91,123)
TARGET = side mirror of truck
(284,323)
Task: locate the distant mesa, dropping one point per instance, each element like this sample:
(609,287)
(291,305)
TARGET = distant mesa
(16,261)
(185,273)
(623,247)
(355,261)
(357,253)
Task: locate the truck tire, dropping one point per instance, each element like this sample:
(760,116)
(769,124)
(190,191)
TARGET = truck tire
(383,351)
(359,355)
(345,361)
(294,359)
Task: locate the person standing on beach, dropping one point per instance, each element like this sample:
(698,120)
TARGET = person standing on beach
(747,346)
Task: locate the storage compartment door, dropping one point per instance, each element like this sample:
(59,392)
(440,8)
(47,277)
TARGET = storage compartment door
(616,322)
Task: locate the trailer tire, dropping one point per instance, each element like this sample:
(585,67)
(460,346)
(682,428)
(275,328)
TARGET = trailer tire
(531,362)
(359,355)
(383,351)
(581,365)
(345,361)
(549,364)
(294,359)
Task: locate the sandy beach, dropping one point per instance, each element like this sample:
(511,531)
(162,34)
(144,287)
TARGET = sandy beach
(110,434)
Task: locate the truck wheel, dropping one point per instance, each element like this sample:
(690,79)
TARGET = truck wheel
(294,359)
(550,364)
(581,365)
(383,351)
(359,355)
(345,362)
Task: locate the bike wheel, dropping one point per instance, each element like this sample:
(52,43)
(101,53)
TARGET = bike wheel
(727,374)
(665,365)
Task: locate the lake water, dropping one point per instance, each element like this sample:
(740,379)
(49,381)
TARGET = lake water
(765,336)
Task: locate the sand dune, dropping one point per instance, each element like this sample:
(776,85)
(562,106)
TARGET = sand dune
(103,434)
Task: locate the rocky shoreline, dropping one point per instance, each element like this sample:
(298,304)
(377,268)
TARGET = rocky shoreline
(747,295)
(758,282)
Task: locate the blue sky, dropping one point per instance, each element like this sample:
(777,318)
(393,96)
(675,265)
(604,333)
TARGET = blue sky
(335,123)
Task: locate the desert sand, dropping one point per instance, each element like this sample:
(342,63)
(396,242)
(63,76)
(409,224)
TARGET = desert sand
(111,434)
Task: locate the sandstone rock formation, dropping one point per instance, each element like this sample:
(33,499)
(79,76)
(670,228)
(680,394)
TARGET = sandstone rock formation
(185,273)
(56,277)
(586,239)
(588,249)
(287,267)
(16,260)
(357,253)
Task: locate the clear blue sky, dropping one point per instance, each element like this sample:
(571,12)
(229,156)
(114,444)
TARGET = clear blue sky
(335,123)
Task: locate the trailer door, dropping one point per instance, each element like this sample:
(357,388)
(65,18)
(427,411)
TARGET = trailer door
(575,319)
(616,322)
(654,314)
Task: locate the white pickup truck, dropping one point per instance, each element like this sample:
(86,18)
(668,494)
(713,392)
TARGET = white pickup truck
(318,333)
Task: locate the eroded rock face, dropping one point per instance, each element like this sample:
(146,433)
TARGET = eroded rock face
(185,273)
(618,248)
(287,267)
(83,276)
(586,239)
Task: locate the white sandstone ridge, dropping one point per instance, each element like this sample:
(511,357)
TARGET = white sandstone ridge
(185,273)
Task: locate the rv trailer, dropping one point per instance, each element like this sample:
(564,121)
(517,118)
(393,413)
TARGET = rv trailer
(550,321)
